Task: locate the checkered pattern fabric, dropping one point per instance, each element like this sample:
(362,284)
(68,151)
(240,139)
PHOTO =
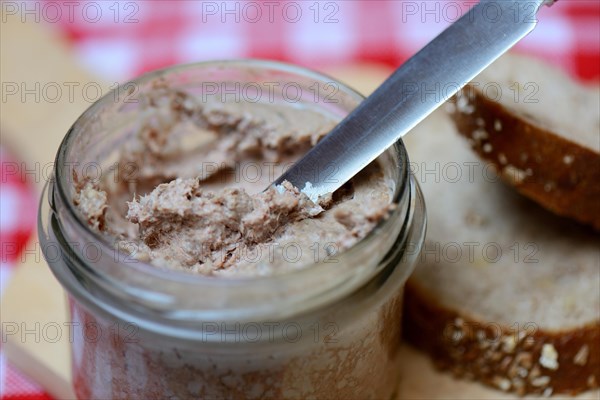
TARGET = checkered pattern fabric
(120,40)
(123,41)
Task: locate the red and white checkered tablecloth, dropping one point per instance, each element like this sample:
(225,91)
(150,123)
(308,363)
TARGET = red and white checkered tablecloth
(120,40)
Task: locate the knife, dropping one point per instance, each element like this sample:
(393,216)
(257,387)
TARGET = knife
(412,92)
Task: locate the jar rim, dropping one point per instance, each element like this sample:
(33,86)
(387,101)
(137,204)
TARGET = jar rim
(282,66)
(399,215)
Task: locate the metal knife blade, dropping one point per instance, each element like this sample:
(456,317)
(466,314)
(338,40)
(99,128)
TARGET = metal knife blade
(413,91)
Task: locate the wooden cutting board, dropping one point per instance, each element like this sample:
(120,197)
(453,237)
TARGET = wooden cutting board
(42,96)
(33,299)
(44,91)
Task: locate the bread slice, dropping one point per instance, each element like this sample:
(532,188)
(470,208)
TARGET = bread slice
(419,380)
(505,292)
(540,129)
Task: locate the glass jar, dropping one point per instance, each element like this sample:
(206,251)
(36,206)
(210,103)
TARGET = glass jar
(139,332)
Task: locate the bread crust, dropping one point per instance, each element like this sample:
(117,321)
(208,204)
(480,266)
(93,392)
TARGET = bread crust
(557,173)
(522,360)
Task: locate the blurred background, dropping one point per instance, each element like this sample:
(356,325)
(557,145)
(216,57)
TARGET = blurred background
(120,40)
(58,57)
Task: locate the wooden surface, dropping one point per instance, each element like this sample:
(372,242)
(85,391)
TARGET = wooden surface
(49,90)
(34,65)
(34,130)
(34,301)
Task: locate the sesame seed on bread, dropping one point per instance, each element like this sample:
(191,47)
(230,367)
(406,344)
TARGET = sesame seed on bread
(505,292)
(419,380)
(540,129)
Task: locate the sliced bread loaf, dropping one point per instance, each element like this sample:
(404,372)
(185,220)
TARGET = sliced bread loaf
(540,129)
(505,292)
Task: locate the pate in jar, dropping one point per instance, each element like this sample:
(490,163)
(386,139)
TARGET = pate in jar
(187,279)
